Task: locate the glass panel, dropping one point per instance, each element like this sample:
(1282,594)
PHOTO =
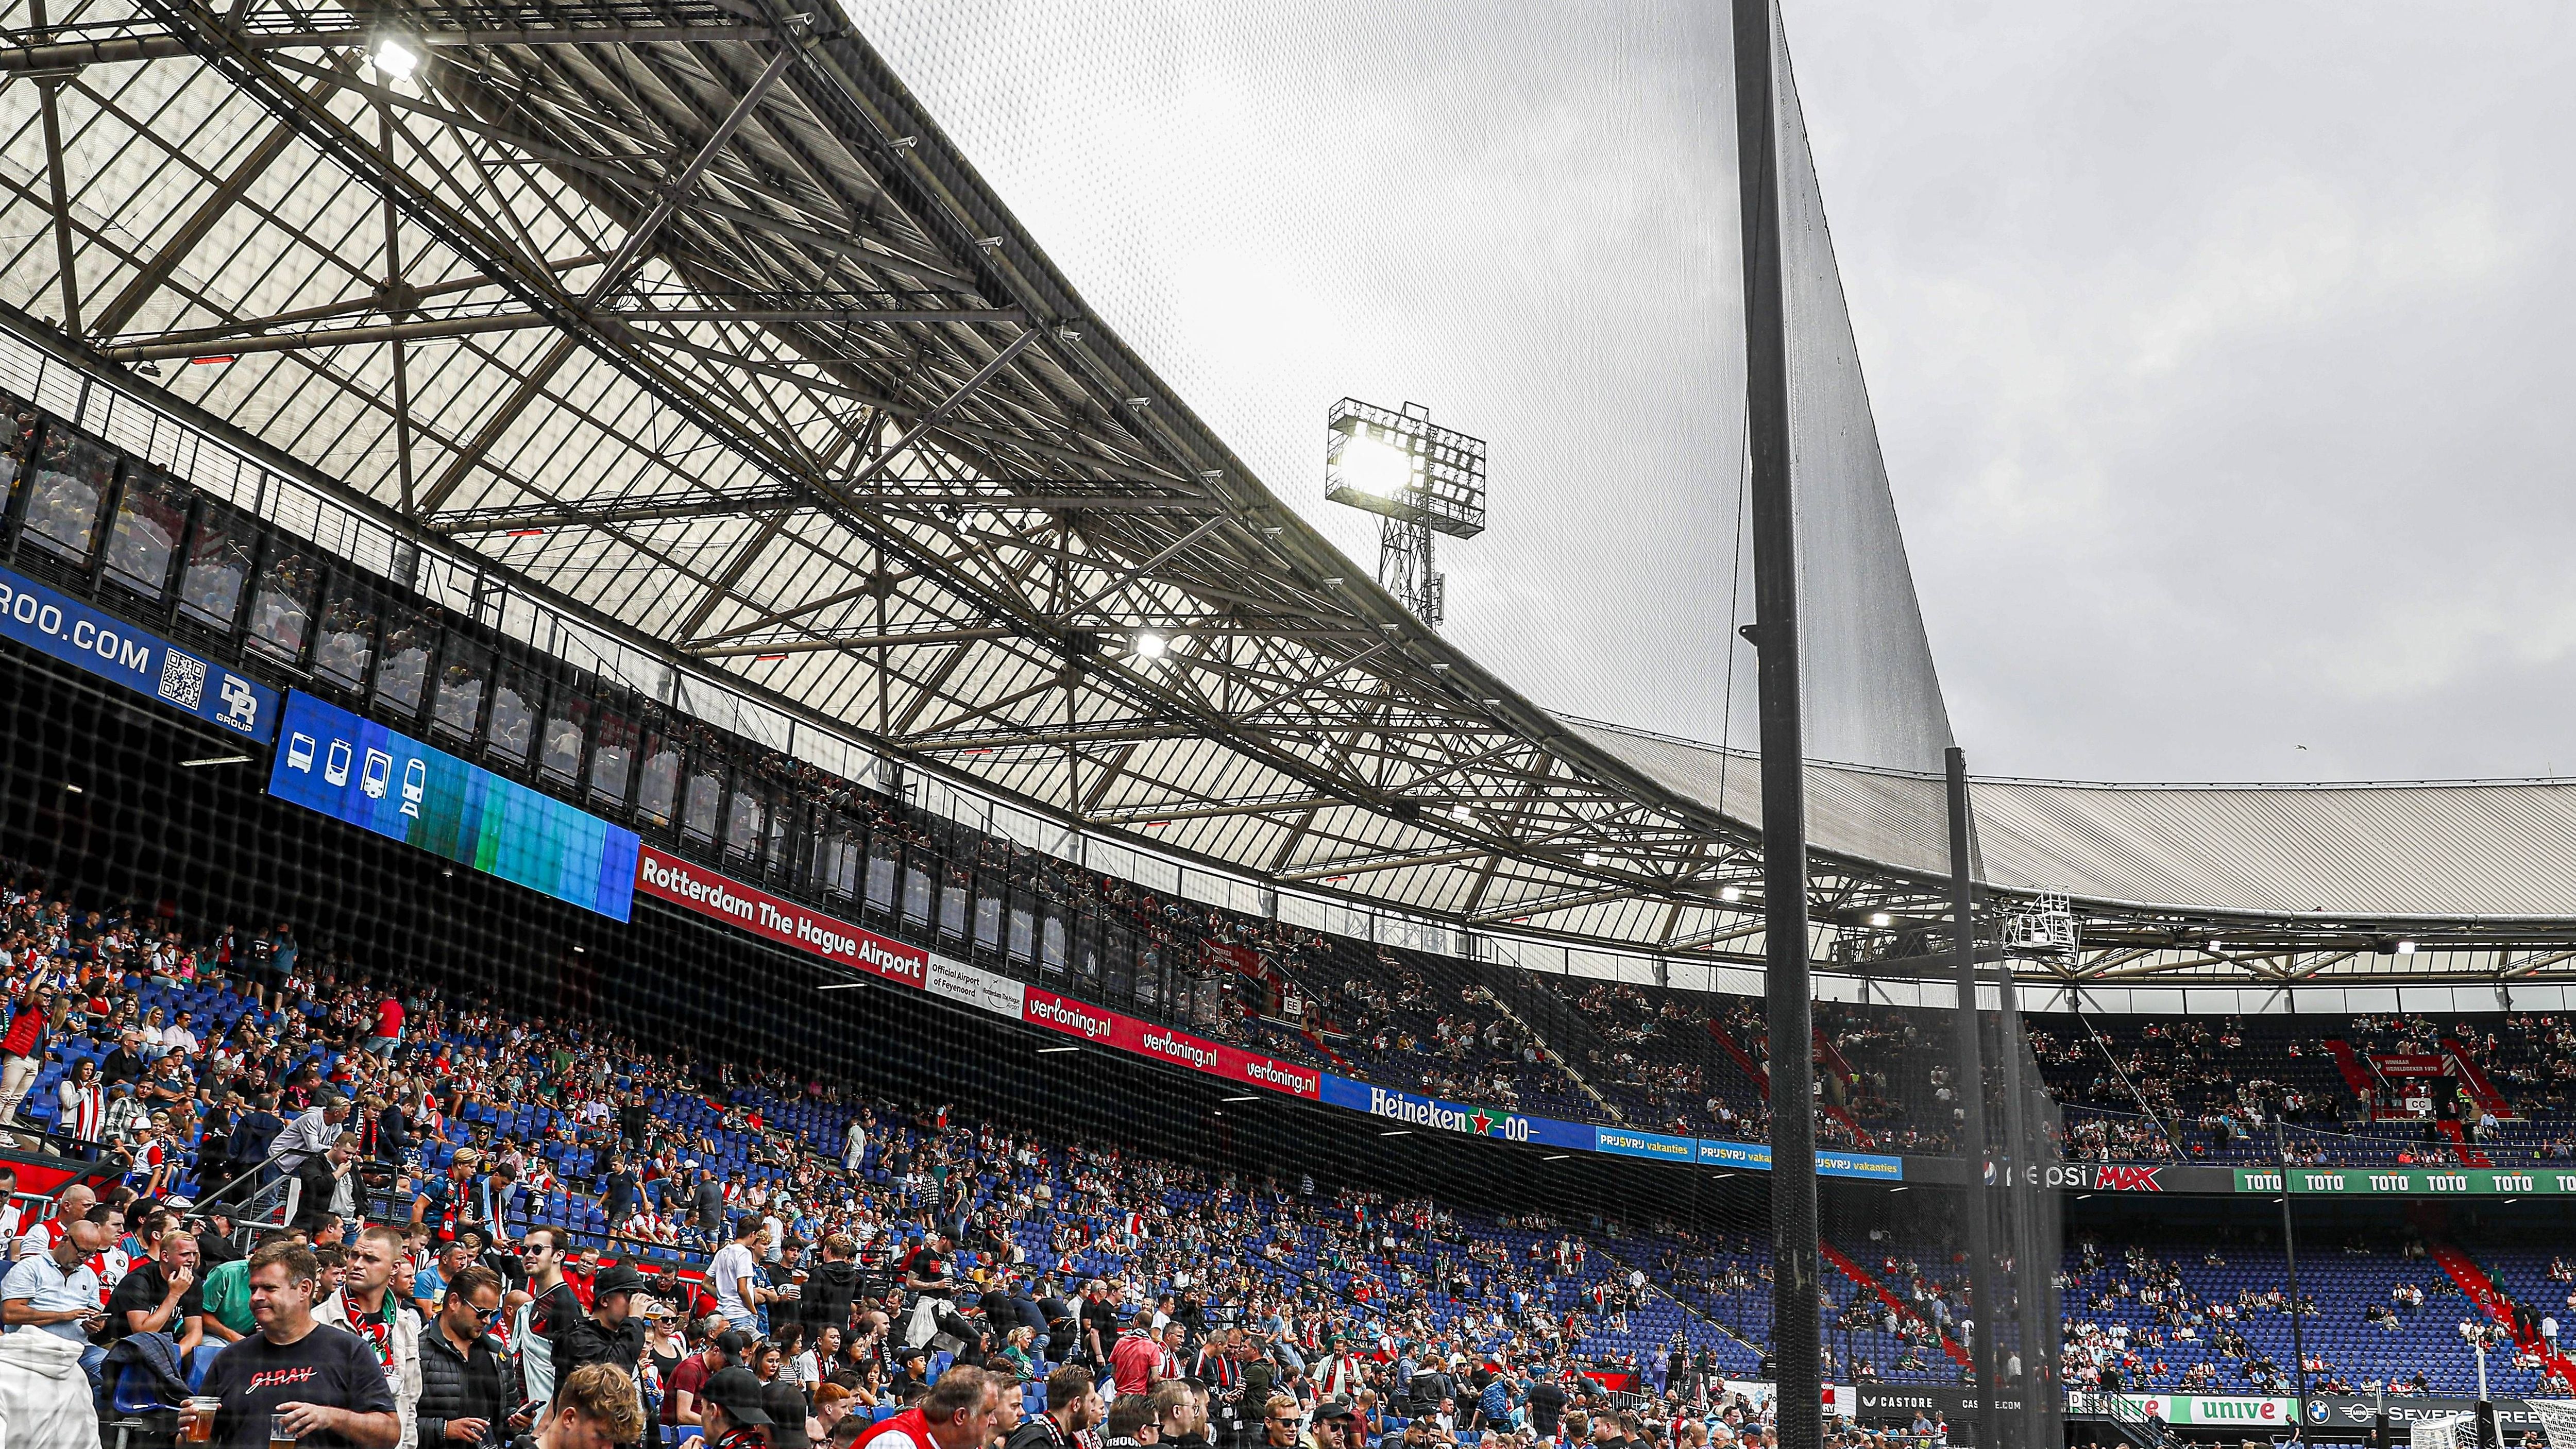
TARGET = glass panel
(1051,942)
(218,570)
(68,492)
(837,860)
(705,801)
(464,678)
(566,723)
(881,871)
(20,423)
(746,821)
(612,758)
(916,888)
(151,515)
(1024,928)
(1118,962)
(988,914)
(660,787)
(281,602)
(955,894)
(514,714)
(402,672)
(346,642)
(1149,977)
(782,815)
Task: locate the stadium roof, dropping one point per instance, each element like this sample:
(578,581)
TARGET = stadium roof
(686,319)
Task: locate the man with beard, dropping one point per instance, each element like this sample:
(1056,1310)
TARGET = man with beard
(1072,1407)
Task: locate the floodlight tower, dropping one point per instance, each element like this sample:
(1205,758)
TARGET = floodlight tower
(1419,479)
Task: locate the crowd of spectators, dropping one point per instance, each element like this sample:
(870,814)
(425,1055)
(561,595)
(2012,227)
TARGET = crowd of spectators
(487,1203)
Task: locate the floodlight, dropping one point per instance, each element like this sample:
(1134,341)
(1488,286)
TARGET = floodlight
(1730,894)
(1881,918)
(395,59)
(2405,948)
(1419,479)
(1379,469)
(1149,645)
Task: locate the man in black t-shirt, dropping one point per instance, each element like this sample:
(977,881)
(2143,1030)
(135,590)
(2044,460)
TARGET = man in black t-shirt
(325,1384)
(1546,1406)
(549,1314)
(161,1294)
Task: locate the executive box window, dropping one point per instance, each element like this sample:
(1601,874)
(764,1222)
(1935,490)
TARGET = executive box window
(703,803)
(514,714)
(746,821)
(659,789)
(567,725)
(67,493)
(344,645)
(212,582)
(464,678)
(151,517)
(402,668)
(281,600)
(612,758)
(20,422)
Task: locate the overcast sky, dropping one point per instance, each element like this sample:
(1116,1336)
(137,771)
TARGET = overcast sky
(2220,354)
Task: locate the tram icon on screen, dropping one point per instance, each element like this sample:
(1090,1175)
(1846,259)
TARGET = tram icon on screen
(415,786)
(335,766)
(380,773)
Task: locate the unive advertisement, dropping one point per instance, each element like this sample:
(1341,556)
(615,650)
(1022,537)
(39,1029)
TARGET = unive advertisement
(356,770)
(668,878)
(2227,1410)
(144,662)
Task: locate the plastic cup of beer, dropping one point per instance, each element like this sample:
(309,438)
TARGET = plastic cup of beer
(280,1436)
(198,1419)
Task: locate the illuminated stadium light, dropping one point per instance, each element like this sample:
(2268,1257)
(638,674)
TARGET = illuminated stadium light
(1730,894)
(214,760)
(2405,948)
(1881,918)
(1419,479)
(1150,645)
(1051,1051)
(395,59)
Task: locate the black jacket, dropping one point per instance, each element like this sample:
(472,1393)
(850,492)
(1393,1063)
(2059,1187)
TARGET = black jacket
(591,1341)
(459,1386)
(824,1302)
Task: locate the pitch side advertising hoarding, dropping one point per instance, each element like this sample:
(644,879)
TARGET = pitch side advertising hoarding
(332,761)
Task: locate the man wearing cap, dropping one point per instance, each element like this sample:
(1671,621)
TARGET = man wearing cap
(734,1418)
(367,1306)
(1336,1425)
(683,1397)
(613,1334)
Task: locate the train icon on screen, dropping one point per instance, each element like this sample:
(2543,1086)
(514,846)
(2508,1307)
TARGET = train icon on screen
(335,766)
(415,786)
(380,773)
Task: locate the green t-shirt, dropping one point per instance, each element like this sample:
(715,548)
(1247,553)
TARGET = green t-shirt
(226,1294)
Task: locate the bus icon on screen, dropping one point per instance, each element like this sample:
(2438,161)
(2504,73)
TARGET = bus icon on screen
(299,753)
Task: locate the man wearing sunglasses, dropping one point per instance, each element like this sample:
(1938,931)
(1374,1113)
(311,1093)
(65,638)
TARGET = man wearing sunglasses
(460,1375)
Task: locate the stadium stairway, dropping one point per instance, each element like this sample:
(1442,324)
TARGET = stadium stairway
(2348,1062)
(2474,1081)
(1862,1279)
(2469,1156)
(2500,1306)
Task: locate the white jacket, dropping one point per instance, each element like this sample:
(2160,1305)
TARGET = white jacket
(44,1396)
(404,1379)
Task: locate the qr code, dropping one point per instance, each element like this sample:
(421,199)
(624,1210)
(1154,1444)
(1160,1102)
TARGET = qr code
(183,679)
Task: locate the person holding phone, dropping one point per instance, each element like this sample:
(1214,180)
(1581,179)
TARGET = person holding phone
(57,1291)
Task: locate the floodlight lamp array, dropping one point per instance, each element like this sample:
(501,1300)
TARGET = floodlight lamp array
(1399,464)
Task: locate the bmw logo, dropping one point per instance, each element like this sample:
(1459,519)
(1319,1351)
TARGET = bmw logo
(2319,1411)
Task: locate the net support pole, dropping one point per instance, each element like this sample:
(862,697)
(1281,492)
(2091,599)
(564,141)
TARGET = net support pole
(1977,1202)
(1796,1344)
(2032,1333)
(2290,1257)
